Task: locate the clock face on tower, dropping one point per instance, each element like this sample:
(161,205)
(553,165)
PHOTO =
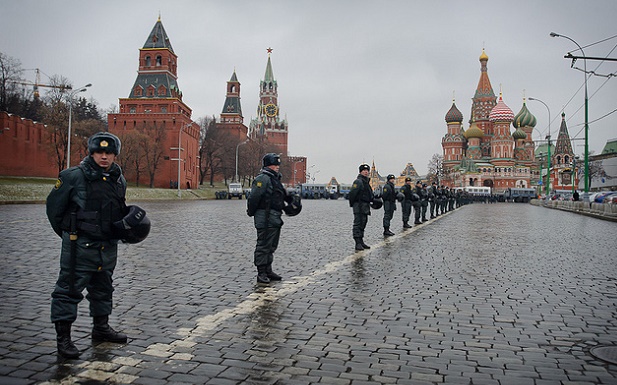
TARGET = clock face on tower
(270,109)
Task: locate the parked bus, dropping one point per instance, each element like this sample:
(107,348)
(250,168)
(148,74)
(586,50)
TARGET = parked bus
(516,194)
(475,190)
(314,191)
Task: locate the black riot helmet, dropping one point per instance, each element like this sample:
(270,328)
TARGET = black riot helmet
(376,203)
(271,159)
(294,207)
(134,227)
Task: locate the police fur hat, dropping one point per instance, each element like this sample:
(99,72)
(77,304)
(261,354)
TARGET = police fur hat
(390,176)
(364,166)
(271,159)
(104,141)
(407,179)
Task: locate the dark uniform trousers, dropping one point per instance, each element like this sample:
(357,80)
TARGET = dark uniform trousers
(388,212)
(64,301)
(361,211)
(417,207)
(268,235)
(406,210)
(96,277)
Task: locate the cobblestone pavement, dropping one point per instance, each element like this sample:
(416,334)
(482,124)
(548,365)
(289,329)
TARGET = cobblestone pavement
(486,294)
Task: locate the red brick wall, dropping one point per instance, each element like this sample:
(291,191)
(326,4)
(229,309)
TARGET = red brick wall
(25,148)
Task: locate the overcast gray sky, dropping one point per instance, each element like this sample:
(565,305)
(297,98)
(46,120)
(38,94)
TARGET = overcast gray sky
(358,80)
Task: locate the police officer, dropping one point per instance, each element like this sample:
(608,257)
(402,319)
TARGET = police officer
(424,198)
(407,191)
(444,199)
(432,198)
(389,204)
(417,202)
(265,205)
(360,198)
(450,195)
(82,209)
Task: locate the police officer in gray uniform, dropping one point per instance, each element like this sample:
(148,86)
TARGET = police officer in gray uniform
(389,204)
(424,201)
(360,198)
(432,198)
(406,204)
(416,202)
(87,209)
(265,204)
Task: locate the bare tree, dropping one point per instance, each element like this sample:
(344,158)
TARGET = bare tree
(132,158)
(10,74)
(435,169)
(210,151)
(151,143)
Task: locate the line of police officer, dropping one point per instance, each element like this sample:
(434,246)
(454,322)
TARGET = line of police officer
(435,200)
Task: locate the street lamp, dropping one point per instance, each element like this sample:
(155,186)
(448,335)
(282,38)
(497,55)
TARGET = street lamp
(548,179)
(574,173)
(237,147)
(585,196)
(179,159)
(68,146)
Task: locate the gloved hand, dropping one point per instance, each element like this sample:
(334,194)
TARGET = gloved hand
(134,217)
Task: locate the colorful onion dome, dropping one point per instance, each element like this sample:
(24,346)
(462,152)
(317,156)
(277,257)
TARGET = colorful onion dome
(454,115)
(519,134)
(524,118)
(501,112)
(474,132)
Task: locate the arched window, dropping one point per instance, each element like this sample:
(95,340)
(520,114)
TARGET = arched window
(148,63)
(159,60)
(566,159)
(558,159)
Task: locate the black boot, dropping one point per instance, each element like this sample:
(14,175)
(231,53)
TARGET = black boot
(359,246)
(101,331)
(66,348)
(387,232)
(272,275)
(262,275)
(364,244)
(406,225)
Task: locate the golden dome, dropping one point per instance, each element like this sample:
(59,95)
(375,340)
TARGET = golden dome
(484,56)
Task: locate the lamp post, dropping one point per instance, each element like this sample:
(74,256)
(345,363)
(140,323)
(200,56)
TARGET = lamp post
(541,157)
(574,173)
(179,159)
(548,179)
(585,196)
(237,148)
(68,146)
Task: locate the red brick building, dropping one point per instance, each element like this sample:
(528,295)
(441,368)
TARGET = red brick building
(155,109)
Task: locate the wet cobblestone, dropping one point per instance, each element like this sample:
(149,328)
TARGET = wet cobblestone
(487,294)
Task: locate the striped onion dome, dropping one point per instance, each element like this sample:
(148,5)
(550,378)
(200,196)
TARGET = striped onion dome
(524,118)
(501,112)
(454,115)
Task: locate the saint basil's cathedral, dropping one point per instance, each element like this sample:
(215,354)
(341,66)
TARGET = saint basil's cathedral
(489,154)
